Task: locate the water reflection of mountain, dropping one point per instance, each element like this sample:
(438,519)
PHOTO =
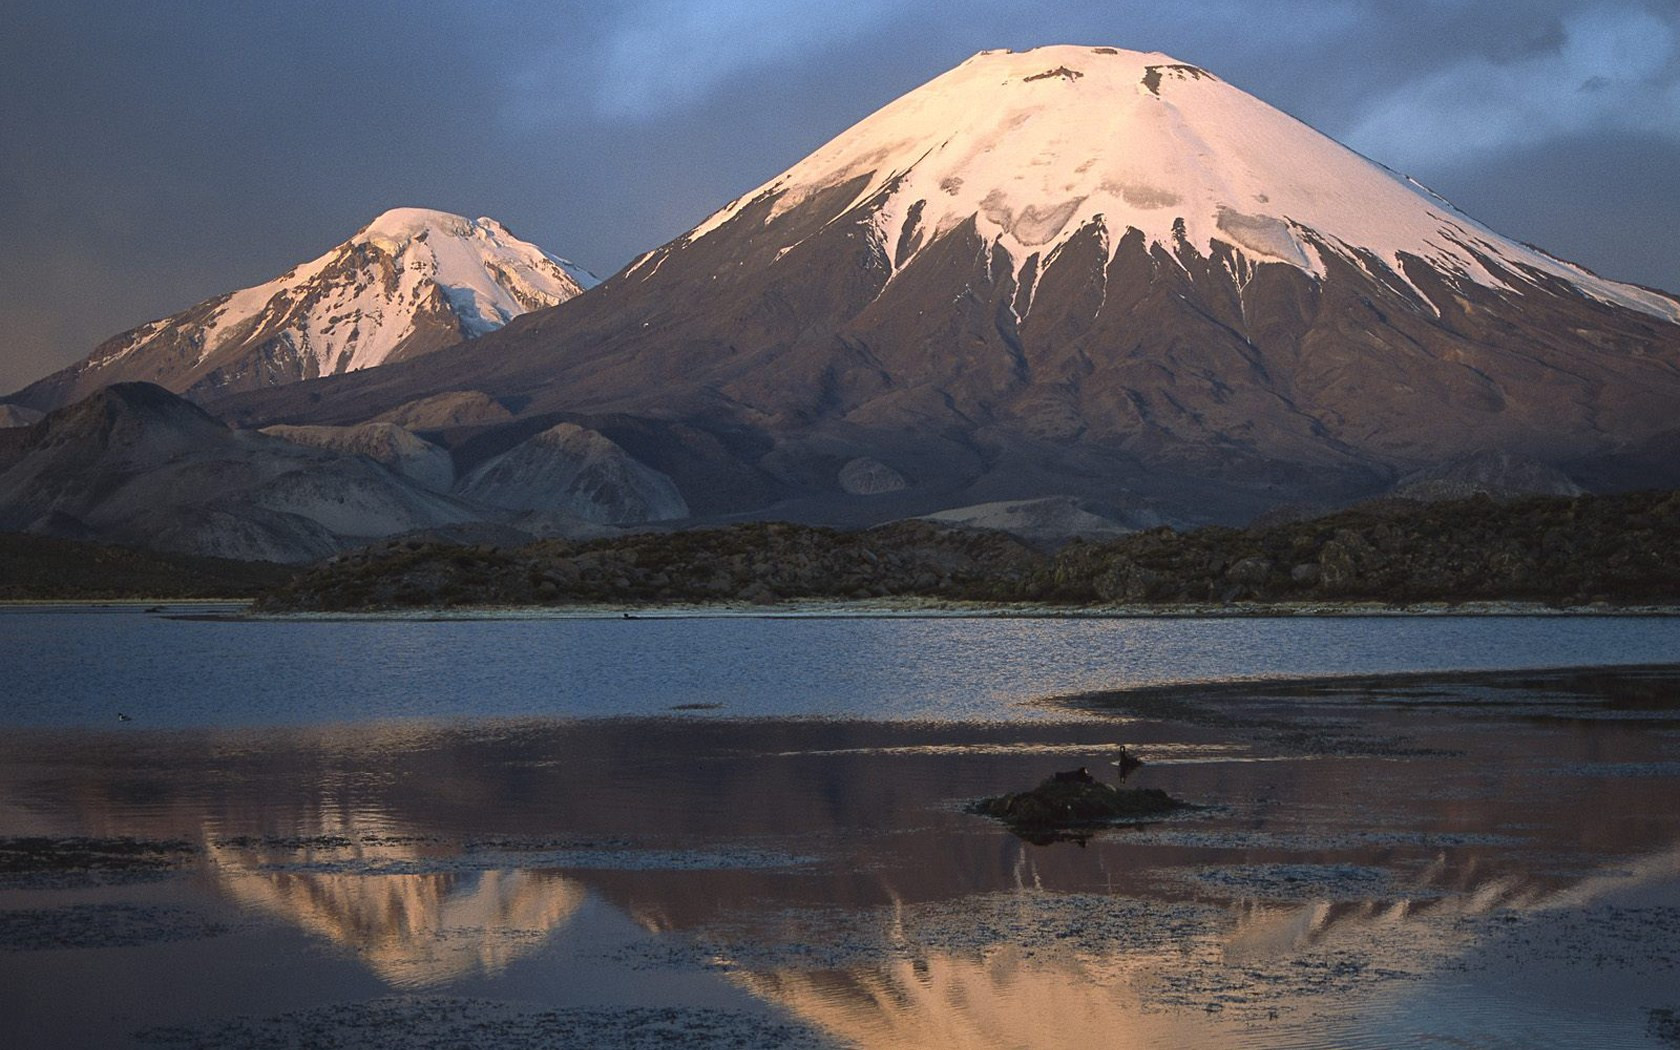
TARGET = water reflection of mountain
(413,930)
(1077,970)
(379,840)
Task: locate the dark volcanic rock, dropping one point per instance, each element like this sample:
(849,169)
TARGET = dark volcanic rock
(35,568)
(1589,548)
(1072,804)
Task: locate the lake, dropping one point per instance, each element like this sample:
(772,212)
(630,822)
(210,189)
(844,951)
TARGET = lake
(81,666)
(746,831)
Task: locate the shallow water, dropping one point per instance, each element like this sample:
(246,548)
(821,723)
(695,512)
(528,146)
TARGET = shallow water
(1487,860)
(81,666)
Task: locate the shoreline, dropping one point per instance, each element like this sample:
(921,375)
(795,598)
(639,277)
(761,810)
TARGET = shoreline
(937,609)
(95,603)
(1216,690)
(242,610)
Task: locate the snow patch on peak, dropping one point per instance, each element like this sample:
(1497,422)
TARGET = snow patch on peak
(349,309)
(1033,146)
(400,225)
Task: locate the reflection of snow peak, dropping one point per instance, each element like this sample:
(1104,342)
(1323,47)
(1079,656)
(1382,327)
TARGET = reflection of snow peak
(412,930)
(1163,975)
(1034,147)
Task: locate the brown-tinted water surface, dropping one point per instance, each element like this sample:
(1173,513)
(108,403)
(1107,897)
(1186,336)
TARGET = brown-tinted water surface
(1478,860)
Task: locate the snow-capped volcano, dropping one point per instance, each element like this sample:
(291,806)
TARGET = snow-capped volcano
(1034,147)
(1078,272)
(410,282)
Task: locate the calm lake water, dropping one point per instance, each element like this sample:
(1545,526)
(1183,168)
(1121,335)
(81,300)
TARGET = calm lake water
(431,834)
(83,666)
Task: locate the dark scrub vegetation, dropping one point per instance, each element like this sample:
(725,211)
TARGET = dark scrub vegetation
(1620,549)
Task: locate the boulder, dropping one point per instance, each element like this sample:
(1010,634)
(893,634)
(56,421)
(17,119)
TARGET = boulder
(1068,802)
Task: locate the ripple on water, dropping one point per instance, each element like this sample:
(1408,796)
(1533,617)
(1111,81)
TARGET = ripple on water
(112,925)
(181,673)
(446,1023)
(1291,882)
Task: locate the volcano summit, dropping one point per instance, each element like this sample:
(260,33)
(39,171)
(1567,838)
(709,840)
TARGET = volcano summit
(1081,273)
(1088,272)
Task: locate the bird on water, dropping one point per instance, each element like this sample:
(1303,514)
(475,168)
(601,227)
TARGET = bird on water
(1126,763)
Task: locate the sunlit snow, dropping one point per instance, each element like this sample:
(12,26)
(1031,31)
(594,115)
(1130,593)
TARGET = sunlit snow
(1036,145)
(352,307)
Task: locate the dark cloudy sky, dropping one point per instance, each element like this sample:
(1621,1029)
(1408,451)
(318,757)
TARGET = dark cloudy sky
(155,154)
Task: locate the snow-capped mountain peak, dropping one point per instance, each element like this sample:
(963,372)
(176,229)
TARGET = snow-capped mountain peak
(467,252)
(1035,146)
(412,281)
(364,295)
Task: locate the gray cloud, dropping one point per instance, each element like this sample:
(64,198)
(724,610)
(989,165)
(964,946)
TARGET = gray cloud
(649,59)
(1610,68)
(666,53)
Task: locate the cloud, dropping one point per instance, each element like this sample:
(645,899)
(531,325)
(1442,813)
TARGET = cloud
(671,54)
(1609,69)
(665,54)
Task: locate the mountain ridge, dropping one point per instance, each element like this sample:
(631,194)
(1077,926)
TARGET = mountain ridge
(410,282)
(1217,356)
(957,303)
(134,464)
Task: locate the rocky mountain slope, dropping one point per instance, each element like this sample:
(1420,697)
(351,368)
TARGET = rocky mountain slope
(395,447)
(411,282)
(568,468)
(134,464)
(1077,272)
(18,416)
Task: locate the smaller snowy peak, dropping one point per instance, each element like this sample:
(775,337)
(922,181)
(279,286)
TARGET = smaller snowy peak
(412,281)
(488,275)
(407,275)
(400,225)
(396,229)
